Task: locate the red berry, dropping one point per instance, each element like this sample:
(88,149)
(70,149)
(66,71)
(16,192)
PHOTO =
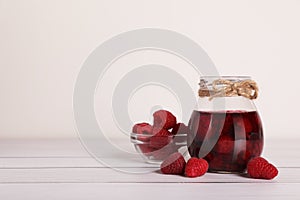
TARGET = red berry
(159,132)
(143,131)
(260,168)
(226,124)
(159,142)
(242,126)
(140,128)
(164,119)
(174,164)
(160,138)
(245,124)
(254,147)
(224,145)
(180,128)
(255,165)
(269,172)
(203,125)
(147,129)
(196,167)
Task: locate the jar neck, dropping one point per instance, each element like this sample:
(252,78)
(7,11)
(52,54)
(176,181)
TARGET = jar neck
(235,103)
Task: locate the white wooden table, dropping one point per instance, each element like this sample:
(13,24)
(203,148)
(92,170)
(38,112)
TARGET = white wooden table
(62,169)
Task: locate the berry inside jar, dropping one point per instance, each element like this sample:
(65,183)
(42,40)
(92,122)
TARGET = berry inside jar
(226,139)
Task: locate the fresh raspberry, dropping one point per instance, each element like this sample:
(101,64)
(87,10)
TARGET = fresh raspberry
(160,138)
(269,172)
(180,128)
(142,128)
(260,168)
(159,132)
(164,119)
(174,164)
(255,165)
(159,142)
(145,129)
(196,167)
(135,127)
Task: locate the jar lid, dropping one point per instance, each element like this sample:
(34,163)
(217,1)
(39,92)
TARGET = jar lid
(227,86)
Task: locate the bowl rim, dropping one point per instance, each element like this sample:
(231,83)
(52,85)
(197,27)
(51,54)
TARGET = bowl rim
(150,135)
(134,138)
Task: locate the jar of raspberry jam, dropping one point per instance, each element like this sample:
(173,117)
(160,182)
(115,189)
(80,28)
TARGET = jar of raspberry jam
(226,129)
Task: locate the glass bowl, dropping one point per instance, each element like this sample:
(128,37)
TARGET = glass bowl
(155,149)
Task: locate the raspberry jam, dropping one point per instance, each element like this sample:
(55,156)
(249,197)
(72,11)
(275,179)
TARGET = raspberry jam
(226,139)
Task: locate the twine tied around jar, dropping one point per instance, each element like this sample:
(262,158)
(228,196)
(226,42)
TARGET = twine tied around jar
(228,88)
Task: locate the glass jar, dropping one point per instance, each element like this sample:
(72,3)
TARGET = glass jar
(226,129)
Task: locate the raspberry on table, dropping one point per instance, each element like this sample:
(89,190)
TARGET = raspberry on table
(174,164)
(260,168)
(195,167)
(164,119)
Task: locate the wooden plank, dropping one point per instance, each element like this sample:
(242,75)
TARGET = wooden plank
(106,175)
(72,162)
(70,153)
(62,169)
(150,191)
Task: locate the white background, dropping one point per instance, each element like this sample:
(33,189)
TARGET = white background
(44,43)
